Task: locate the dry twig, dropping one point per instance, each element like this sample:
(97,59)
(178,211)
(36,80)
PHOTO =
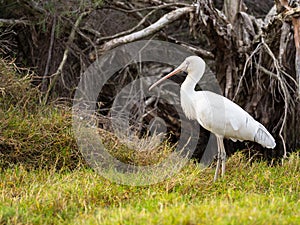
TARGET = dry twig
(279,78)
(45,77)
(65,55)
(14,21)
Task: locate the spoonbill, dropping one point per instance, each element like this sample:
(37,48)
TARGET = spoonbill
(214,112)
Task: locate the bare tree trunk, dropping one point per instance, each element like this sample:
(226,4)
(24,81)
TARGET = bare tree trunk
(243,47)
(256,60)
(231,9)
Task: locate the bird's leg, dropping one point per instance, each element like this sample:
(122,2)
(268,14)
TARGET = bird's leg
(223,156)
(218,159)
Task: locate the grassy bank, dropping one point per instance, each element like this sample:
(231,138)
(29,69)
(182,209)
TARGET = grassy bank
(31,134)
(251,193)
(45,180)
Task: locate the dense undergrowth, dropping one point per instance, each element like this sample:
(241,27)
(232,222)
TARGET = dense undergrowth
(45,180)
(40,136)
(32,134)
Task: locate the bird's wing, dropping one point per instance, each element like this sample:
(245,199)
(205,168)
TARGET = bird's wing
(225,118)
(234,122)
(225,111)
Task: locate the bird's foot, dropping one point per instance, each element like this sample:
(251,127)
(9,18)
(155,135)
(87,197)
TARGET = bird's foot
(217,167)
(223,160)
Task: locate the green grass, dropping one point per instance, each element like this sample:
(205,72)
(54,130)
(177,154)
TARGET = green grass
(44,179)
(251,193)
(31,134)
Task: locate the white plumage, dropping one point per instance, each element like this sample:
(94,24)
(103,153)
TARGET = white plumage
(216,113)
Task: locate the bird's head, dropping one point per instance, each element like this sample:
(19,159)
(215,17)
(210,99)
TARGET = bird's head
(194,66)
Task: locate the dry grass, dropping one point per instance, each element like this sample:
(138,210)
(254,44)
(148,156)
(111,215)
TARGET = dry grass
(44,179)
(136,151)
(38,136)
(31,134)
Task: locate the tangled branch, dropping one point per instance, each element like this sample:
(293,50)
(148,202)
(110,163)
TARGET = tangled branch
(65,56)
(153,28)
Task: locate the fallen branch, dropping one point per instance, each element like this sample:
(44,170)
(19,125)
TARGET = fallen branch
(153,28)
(143,20)
(14,21)
(100,39)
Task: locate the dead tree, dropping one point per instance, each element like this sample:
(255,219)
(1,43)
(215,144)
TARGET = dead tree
(255,62)
(256,59)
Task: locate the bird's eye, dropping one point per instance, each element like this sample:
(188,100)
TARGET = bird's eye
(187,66)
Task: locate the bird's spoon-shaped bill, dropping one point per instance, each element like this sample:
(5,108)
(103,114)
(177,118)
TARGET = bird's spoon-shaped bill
(177,70)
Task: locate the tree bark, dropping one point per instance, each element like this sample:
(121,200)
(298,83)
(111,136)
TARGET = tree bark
(153,28)
(256,60)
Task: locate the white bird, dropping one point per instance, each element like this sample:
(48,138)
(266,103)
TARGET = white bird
(216,113)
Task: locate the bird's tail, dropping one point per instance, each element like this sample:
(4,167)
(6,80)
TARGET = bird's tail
(264,138)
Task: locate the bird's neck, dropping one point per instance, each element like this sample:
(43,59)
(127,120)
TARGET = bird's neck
(187,96)
(188,85)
